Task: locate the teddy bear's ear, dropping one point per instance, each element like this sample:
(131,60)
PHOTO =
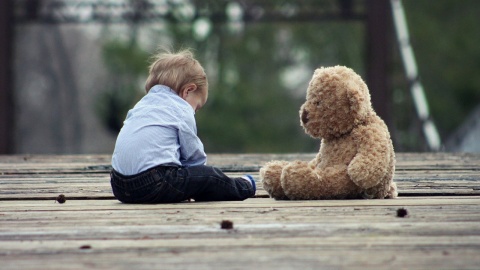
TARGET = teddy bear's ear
(359,99)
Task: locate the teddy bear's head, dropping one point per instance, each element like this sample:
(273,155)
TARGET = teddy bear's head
(337,101)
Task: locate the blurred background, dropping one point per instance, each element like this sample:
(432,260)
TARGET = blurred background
(71,69)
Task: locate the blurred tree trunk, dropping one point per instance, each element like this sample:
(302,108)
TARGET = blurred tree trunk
(6,80)
(379,43)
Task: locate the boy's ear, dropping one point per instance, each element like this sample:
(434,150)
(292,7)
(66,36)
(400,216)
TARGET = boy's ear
(187,89)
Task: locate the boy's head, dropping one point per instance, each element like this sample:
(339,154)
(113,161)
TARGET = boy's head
(180,71)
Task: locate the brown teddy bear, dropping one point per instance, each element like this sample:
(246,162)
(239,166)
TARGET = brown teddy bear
(356,158)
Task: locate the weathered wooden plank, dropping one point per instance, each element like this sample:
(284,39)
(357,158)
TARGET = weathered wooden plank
(58,176)
(90,222)
(400,175)
(228,162)
(269,229)
(365,256)
(83,205)
(239,242)
(102,190)
(97,186)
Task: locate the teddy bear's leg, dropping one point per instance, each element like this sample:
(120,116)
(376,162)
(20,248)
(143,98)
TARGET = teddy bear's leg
(302,182)
(299,181)
(392,192)
(270,176)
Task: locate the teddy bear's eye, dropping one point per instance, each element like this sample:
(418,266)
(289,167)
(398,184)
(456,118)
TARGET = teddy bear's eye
(317,103)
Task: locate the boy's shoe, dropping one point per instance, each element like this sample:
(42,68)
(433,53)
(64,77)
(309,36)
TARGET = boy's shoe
(251,181)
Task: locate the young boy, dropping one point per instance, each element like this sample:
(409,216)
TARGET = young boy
(158,157)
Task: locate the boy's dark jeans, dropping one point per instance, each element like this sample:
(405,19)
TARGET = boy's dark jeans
(169,184)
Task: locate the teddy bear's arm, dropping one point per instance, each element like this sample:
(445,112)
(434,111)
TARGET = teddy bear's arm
(372,160)
(313,163)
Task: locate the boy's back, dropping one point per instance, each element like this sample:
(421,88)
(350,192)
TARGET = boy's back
(160,129)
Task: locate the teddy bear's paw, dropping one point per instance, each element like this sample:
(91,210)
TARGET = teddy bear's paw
(270,177)
(392,192)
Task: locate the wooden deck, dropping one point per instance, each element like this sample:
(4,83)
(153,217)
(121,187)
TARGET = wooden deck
(91,230)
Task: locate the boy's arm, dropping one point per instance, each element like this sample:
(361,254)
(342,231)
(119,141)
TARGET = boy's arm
(191,147)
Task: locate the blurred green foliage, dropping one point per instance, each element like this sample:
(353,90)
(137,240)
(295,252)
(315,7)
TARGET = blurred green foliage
(126,63)
(445,37)
(259,72)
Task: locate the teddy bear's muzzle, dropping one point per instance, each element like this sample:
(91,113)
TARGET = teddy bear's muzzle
(304,116)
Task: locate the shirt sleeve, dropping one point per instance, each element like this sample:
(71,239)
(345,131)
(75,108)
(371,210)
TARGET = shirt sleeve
(191,147)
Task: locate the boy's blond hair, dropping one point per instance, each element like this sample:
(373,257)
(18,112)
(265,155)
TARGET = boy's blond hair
(175,70)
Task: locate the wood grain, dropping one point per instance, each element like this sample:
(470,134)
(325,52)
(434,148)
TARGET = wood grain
(91,230)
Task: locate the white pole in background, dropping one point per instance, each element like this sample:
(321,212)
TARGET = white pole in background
(410,65)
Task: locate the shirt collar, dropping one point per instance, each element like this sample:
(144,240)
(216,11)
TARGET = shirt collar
(159,88)
(162,88)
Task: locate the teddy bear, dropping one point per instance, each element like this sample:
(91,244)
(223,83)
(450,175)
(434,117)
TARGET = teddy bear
(356,158)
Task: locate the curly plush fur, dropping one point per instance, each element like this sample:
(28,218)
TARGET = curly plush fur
(356,157)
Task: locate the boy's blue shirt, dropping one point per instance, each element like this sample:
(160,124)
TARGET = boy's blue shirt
(159,130)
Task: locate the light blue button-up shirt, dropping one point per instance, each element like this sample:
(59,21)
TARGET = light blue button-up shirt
(159,130)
